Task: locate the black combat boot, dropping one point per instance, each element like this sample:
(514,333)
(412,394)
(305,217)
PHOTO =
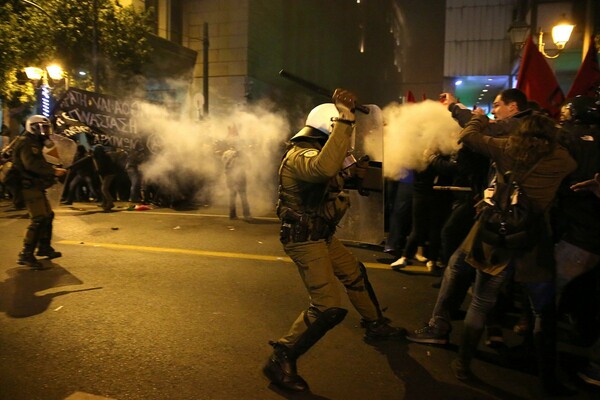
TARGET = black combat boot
(45,237)
(32,235)
(27,258)
(281,369)
(461,366)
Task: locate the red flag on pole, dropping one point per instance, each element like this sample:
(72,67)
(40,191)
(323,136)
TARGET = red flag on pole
(537,80)
(587,79)
(410,97)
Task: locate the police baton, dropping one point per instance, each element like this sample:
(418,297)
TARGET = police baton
(316,88)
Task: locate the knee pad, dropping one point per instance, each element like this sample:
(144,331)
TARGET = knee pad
(326,319)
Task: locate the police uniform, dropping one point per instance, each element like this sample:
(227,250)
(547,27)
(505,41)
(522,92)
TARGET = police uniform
(36,176)
(311,204)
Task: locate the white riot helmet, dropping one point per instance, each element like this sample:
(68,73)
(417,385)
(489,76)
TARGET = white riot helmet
(320,117)
(318,122)
(38,125)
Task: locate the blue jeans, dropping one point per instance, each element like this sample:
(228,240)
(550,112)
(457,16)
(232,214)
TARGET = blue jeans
(457,279)
(485,293)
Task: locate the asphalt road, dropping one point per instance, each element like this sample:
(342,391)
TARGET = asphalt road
(164,304)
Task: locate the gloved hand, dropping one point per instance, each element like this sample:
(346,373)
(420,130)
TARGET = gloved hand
(345,102)
(361,167)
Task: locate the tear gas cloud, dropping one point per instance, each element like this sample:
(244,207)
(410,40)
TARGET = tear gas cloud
(184,152)
(414,130)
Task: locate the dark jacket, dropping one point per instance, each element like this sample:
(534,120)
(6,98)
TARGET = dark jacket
(537,264)
(28,159)
(577,213)
(104,162)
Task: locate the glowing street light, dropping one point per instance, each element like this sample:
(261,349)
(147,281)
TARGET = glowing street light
(561,33)
(55,72)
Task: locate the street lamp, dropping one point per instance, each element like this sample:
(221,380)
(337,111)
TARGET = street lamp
(518,31)
(54,72)
(561,33)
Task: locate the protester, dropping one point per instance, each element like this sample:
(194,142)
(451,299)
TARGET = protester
(37,175)
(531,153)
(107,169)
(235,165)
(509,109)
(429,212)
(400,219)
(13,190)
(135,157)
(311,204)
(578,250)
(81,173)
(578,212)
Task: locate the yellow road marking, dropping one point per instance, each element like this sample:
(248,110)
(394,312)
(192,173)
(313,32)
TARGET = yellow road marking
(222,254)
(179,251)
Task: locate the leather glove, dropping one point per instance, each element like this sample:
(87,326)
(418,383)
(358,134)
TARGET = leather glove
(361,167)
(345,102)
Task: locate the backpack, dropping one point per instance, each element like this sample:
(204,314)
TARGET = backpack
(507,217)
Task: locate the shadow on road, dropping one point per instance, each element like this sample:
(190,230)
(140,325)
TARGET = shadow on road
(296,395)
(421,385)
(18,298)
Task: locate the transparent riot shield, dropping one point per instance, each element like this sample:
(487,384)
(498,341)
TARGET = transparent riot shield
(364,221)
(60,154)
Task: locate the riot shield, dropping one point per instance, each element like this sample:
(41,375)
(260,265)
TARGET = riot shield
(61,154)
(364,221)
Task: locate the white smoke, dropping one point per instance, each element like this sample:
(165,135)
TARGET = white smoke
(412,131)
(185,152)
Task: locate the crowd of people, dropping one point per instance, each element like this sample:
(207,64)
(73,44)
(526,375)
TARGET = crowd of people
(548,161)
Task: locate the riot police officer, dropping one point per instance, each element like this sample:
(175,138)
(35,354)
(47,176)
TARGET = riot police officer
(37,175)
(311,204)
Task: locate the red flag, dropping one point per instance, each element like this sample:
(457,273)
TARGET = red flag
(587,79)
(410,97)
(537,80)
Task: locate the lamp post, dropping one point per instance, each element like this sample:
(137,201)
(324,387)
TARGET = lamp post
(41,75)
(561,33)
(518,33)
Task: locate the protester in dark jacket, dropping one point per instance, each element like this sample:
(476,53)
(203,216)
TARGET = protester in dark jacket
(533,145)
(81,172)
(107,169)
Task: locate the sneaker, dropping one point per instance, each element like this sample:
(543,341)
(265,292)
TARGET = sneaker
(29,260)
(522,326)
(431,266)
(429,335)
(419,256)
(381,329)
(591,374)
(400,263)
(495,338)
